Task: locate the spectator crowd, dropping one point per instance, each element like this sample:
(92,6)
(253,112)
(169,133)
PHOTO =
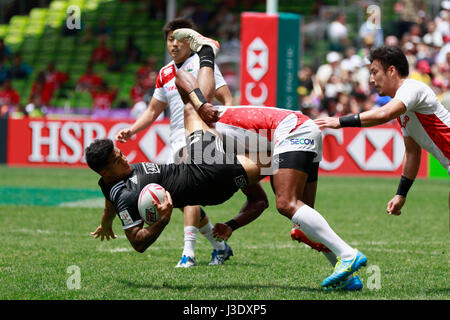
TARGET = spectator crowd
(341,85)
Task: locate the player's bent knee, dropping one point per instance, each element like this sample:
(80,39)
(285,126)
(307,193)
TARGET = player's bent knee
(139,248)
(286,207)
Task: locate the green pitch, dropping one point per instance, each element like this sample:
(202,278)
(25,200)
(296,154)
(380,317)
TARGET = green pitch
(46,252)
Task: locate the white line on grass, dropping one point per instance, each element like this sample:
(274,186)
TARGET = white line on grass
(86,203)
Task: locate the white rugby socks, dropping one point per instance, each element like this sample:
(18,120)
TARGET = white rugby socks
(316,228)
(207,231)
(190,238)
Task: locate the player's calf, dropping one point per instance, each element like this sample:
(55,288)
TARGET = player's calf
(298,235)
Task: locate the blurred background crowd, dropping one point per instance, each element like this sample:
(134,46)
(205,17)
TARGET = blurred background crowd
(108,67)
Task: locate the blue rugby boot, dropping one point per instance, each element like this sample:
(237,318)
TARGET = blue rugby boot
(345,268)
(186,262)
(352,284)
(218,257)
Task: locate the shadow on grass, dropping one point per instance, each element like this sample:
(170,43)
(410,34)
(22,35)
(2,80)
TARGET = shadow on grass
(165,286)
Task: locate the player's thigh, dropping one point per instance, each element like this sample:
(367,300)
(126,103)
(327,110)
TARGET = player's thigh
(252,168)
(309,194)
(289,185)
(192,120)
(290,180)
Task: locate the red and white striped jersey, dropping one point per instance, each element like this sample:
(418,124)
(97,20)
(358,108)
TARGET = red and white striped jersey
(252,128)
(258,118)
(426,120)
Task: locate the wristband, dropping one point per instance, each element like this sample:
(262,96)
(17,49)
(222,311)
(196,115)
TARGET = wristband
(350,121)
(403,186)
(232,224)
(197,98)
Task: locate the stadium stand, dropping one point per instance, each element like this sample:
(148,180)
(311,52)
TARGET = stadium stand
(40,39)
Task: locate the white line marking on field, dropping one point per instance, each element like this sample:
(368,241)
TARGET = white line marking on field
(86,203)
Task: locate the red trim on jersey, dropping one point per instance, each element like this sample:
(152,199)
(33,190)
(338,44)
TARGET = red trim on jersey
(438,131)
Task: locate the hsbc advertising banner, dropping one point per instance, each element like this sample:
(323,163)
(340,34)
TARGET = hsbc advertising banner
(366,151)
(270,49)
(43,142)
(62,142)
(259,41)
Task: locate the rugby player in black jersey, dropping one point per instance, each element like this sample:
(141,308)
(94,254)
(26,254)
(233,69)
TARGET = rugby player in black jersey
(208,177)
(202,180)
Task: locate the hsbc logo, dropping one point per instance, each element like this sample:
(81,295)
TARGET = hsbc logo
(378,149)
(257,66)
(257,59)
(155,144)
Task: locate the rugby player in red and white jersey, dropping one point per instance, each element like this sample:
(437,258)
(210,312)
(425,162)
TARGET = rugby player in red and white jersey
(166,94)
(294,144)
(424,120)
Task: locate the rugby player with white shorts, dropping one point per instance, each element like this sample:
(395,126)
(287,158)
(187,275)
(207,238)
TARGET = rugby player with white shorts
(424,120)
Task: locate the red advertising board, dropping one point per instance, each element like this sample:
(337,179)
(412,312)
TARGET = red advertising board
(62,142)
(376,151)
(259,54)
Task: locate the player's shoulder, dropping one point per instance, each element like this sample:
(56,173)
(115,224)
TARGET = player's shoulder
(413,84)
(166,73)
(146,168)
(421,90)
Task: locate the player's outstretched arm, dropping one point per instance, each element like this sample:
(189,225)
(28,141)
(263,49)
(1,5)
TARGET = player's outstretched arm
(105,228)
(223,94)
(256,203)
(411,164)
(152,112)
(141,238)
(189,90)
(374,117)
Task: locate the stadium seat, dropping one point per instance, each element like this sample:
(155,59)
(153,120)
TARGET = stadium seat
(112,79)
(34,28)
(38,14)
(83,99)
(3,30)
(13,42)
(29,44)
(57,6)
(79,3)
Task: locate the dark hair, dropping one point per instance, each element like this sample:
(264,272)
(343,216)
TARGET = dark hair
(391,56)
(97,154)
(177,23)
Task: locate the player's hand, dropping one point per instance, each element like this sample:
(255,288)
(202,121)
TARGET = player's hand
(124,135)
(328,122)
(208,113)
(103,232)
(395,205)
(222,231)
(165,208)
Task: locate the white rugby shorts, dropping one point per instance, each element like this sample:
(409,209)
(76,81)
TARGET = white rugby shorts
(306,137)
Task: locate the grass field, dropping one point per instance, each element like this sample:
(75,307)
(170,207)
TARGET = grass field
(46,216)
